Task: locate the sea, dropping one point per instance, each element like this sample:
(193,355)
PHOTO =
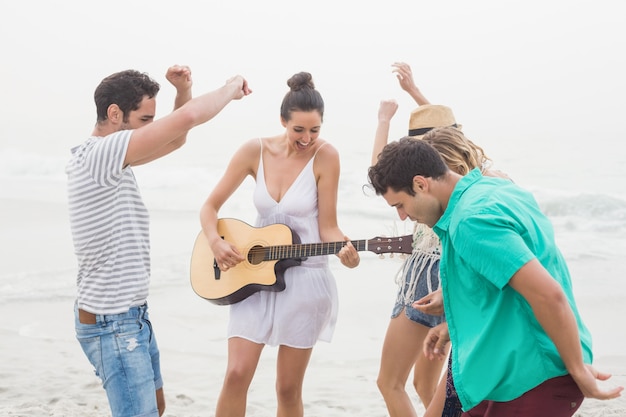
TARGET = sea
(581,192)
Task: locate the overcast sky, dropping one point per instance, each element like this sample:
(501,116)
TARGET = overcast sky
(507,68)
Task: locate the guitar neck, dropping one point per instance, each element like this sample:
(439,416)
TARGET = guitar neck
(378,245)
(304,250)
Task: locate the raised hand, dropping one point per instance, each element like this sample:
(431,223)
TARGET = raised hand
(387,109)
(180,77)
(404,75)
(242,86)
(405,78)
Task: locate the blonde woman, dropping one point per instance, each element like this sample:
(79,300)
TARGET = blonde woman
(418,306)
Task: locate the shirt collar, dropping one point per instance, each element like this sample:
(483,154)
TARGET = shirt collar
(464,183)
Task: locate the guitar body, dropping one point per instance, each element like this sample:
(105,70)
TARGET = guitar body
(250,275)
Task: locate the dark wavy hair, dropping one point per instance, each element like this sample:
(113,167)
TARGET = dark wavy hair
(126,89)
(400,161)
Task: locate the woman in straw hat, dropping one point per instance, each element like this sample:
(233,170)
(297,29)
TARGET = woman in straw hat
(419,295)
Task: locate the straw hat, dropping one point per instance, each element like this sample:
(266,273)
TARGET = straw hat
(428,117)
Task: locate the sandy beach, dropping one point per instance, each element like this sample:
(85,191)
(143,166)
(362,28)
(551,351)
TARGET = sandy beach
(43,371)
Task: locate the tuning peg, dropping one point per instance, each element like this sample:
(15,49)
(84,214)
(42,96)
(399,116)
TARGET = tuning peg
(391,255)
(381,256)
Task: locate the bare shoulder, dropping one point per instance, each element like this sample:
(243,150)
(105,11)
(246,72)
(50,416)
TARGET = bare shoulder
(326,150)
(326,159)
(246,158)
(250,148)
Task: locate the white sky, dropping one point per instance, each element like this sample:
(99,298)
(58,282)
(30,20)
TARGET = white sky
(514,69)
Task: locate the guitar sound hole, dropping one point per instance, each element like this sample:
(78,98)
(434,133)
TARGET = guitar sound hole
(256,255)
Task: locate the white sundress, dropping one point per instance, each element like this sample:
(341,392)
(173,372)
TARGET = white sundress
(306,311)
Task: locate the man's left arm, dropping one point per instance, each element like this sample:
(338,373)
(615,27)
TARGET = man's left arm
(551,308)
(180,77)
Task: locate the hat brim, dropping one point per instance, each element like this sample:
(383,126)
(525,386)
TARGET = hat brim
(456,126)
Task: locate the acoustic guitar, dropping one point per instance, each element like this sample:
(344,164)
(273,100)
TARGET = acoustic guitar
(268,252)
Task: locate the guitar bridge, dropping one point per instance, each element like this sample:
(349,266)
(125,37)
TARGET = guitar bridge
(216,269)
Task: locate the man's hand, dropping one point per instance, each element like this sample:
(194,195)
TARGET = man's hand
(587,382)
(242,88)
(435,342)
(180,77)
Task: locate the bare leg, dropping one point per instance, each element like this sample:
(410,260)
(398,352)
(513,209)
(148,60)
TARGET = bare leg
(401,349)
(426,376)
(243,358)
(291,366)
(435,408)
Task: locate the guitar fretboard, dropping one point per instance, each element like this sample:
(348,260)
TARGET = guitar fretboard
(379,245)
(306,249)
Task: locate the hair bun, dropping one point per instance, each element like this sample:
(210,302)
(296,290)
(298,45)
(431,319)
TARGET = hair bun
(301,80)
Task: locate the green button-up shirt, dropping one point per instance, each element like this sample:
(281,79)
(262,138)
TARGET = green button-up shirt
(490,229)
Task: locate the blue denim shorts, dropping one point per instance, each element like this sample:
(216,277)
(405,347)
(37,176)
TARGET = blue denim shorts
(421,291)
(124,353)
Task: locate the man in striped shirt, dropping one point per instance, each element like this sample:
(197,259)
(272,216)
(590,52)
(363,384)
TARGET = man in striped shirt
(110,227)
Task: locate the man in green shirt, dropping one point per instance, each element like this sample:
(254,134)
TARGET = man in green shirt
(519,346)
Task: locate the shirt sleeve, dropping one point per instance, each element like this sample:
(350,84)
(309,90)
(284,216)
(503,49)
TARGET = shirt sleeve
(105,160)
(492,244)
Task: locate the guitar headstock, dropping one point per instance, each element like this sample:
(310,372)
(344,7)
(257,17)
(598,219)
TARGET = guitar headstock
(398,244)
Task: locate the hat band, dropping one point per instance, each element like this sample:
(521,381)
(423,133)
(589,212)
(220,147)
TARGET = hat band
(424,130)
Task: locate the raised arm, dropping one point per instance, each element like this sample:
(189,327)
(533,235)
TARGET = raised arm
(405,78)
(388,108)
(180,77)
(150,142)
(386,111)
(552,310)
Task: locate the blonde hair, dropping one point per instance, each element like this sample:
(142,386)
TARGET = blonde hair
(459,153)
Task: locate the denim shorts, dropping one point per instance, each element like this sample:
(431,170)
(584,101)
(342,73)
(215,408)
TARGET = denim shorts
(124,353)
(421,291)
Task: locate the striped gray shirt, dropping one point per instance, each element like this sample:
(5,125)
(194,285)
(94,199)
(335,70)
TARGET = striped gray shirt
(109,224)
